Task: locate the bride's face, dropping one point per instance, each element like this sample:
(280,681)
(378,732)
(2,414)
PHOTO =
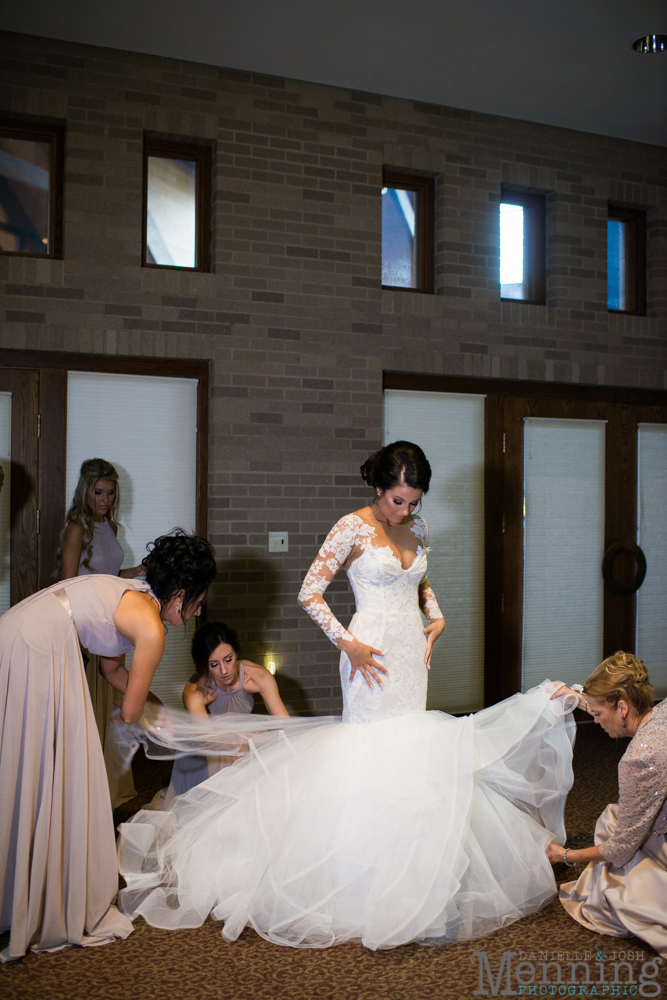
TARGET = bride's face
(394,505)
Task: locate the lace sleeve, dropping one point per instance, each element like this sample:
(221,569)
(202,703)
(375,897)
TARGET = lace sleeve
(337,547)
(641,782)
(427,599)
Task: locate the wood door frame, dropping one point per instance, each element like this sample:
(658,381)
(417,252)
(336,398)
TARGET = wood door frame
(24,387)
(52,368)
(623,408)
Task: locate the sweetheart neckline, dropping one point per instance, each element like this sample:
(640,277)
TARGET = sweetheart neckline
(404,569)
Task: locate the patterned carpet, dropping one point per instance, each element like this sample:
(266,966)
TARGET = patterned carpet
(198,965)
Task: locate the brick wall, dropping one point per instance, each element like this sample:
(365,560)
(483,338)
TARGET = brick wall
(292,315)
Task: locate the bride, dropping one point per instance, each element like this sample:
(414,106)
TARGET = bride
(391,825)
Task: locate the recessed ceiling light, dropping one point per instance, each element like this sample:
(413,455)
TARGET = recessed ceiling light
(650,43)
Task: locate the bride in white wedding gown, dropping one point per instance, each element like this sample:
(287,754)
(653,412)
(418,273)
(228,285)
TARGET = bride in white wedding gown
(391,825)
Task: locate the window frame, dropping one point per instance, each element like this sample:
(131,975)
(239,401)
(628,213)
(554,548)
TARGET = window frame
(635,258)
(425,225)
(40,132)
(534,236)
(201,154)
(52,367)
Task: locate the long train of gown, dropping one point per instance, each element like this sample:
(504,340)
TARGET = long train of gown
(389,826)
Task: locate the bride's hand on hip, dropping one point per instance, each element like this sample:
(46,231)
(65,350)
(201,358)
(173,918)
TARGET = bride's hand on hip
(361,658)
(432,632)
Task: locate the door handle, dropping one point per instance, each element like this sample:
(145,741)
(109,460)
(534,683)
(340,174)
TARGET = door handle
(623,589)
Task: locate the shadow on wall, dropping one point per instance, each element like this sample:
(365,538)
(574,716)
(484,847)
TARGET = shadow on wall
(246,596)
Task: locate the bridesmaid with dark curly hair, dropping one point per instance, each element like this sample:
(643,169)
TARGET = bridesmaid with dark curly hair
(57,848)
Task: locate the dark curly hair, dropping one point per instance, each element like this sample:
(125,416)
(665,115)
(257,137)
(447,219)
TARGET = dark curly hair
(206,640)
(179,561)
(400,463)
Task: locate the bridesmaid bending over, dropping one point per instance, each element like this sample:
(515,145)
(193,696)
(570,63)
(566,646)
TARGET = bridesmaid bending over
(57,848)
(222,683)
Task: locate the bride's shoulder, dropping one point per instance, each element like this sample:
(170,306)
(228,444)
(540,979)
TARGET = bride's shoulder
(352,526)
(420,527)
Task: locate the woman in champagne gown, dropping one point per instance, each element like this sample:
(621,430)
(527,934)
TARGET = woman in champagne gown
(390,825)
(57,851)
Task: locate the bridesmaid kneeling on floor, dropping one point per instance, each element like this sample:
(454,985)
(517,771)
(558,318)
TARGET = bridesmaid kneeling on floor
(221,683)
(623,889)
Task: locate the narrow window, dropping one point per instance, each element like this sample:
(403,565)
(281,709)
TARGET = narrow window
(31,182)
(407,232)
(177,205)
(626,260)
(522,274)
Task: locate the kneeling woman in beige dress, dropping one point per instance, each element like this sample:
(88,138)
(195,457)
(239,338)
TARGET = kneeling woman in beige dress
(623,889)
(58,873)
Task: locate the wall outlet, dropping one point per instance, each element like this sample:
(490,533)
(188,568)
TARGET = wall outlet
(278,541)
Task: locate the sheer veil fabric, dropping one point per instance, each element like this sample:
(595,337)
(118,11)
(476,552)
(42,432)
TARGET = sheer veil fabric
(387,826)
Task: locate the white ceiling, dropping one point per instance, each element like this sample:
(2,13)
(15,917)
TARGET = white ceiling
(562,62)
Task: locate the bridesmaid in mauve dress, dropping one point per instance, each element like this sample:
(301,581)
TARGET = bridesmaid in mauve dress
(57,850)
(90,545)
(222,683)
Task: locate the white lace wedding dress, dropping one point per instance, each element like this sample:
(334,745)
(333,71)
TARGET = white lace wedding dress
(391,825)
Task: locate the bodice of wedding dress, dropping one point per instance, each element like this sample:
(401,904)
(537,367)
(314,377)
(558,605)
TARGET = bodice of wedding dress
(374,588)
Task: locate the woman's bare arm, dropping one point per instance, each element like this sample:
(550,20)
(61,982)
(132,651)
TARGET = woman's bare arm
(71,551)
(195,698)
(138,620)
(265,685)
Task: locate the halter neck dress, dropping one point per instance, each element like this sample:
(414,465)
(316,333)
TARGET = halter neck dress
(191,771)
(57,846)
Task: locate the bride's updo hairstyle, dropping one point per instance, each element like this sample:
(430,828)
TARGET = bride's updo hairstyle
(180,561)
(621,677)
(399,464)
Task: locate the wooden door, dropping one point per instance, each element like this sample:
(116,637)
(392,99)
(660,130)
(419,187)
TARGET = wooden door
(23,384)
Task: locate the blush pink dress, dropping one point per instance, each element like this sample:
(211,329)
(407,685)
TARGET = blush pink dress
(57,846)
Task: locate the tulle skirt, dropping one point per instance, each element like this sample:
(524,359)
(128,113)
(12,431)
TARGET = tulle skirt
(422,828)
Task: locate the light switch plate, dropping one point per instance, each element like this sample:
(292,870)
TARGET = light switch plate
(278,541)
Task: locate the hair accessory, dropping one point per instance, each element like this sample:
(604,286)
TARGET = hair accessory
(579,688)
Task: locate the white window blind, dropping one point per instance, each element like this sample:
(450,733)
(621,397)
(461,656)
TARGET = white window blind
(450,429)
(147,428)
(563,548)
(5,498)
(652,537)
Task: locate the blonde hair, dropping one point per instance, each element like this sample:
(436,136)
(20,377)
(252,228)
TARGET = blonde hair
(622,677)
(92,470)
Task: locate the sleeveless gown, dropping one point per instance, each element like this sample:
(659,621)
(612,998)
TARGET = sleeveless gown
(391,825)
(57,849)
(107,559)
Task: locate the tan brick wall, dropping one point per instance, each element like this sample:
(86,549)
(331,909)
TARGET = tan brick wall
(293,316)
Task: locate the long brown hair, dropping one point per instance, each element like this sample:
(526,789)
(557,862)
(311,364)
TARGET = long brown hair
(92,470)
